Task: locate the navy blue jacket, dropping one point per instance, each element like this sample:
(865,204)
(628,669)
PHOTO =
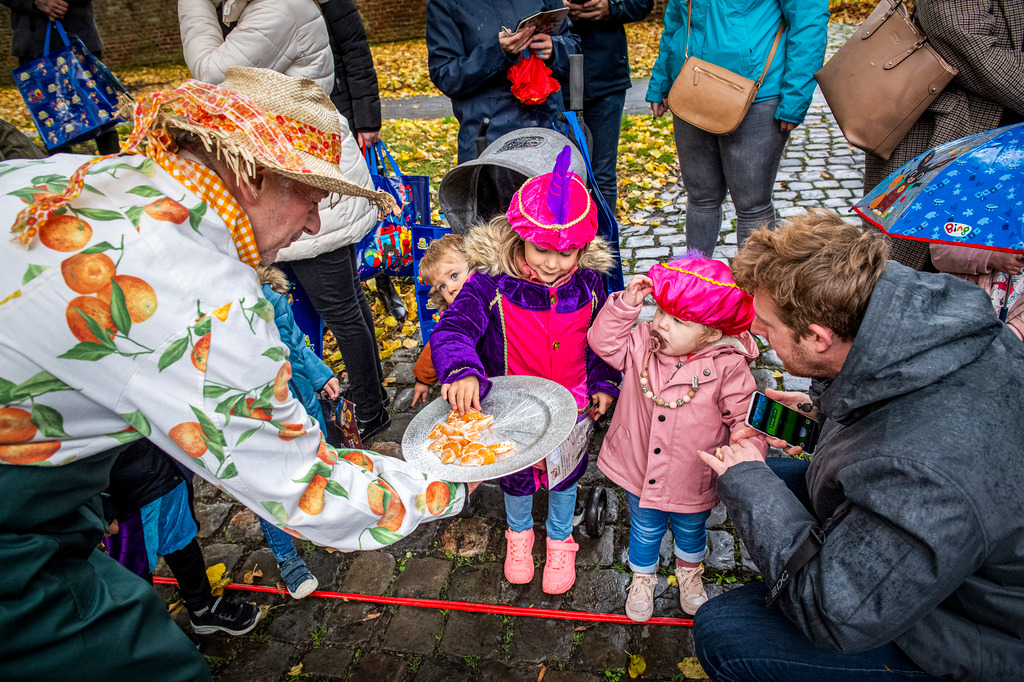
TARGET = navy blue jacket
(467,64)
(29,26)
(605,55)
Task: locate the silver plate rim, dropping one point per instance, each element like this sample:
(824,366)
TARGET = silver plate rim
(560,404)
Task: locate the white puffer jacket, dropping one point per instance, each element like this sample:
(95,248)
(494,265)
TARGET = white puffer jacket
(287,36)
(349,219)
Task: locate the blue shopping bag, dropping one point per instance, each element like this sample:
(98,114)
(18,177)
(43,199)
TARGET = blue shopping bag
(71,95)
(387,248)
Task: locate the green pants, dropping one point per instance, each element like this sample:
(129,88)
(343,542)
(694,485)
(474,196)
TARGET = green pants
(67,610)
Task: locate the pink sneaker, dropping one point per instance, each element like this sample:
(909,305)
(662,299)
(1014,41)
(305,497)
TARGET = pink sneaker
(560,568)
(519,557)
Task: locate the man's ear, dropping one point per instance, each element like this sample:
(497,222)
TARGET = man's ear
(249,190)
(822,338)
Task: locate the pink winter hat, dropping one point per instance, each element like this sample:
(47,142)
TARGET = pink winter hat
(702,290)
(555,210)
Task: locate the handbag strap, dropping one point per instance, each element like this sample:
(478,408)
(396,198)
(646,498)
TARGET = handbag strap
(382,149)
(60,31)
(771,54)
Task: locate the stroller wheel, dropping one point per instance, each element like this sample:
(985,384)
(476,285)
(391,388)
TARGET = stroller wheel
(597,507)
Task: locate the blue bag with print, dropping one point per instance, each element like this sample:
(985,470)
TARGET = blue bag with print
(71,95)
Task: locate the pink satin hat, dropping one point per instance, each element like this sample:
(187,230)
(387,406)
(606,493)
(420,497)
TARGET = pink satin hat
(702,290)
(555,211)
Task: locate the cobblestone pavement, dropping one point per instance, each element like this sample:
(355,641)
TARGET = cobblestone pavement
(461,559)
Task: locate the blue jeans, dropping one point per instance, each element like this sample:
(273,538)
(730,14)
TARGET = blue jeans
(728,653)
(647,527)
(561,505)
(279,542)
(738,638)
(744,162)
(604,118)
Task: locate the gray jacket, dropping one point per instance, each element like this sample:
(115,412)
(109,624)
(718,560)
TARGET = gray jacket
(918,482)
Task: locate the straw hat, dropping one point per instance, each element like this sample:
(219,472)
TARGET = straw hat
(260,117)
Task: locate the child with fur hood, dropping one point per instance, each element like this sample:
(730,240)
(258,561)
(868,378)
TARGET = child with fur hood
(686,387)
(526,311)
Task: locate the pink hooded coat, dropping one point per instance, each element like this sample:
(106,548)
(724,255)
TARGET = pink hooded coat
(972,265)
(651,451)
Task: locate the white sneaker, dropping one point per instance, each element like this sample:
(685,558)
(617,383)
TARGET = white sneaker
(640,602)
(691,588)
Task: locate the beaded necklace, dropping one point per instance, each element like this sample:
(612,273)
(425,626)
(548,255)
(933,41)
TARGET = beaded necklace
(658,400)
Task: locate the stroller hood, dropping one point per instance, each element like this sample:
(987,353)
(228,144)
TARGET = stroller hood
(476,191)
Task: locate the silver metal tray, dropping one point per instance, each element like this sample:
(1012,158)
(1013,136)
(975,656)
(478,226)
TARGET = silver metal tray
(533,413)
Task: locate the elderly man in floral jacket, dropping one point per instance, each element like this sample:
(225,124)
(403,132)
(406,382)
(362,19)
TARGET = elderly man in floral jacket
(134,312)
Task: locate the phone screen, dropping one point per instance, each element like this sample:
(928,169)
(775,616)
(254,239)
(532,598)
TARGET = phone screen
(777,420)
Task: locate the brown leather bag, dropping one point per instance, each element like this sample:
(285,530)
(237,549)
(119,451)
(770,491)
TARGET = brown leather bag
(710,97)
(880,82)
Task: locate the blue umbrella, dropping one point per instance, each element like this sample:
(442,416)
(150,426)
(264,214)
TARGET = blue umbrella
(968,192)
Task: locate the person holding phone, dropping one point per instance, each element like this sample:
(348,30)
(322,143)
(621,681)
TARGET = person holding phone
(601,26)
(469,54)
(897,552)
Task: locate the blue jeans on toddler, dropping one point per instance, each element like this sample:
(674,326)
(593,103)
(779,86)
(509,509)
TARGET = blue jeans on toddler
(647,527)
(279,542)
(561,505)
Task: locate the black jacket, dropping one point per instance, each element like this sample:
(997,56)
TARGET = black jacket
(141,474)
(605,54)
(918,483)
(466,63)
(29,26)
(355,94)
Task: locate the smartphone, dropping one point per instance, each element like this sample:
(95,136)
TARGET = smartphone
(775,419)
(577,2)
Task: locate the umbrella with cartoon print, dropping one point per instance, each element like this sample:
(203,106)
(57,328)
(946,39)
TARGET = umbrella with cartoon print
(968,192)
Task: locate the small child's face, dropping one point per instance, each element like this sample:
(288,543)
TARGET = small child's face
(451,274)
(677,337)
(550,266)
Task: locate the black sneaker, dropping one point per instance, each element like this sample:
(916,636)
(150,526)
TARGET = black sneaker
(226,616)
(371,427)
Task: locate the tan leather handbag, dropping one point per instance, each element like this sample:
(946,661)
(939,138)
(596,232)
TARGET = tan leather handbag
(882,79)
(710,97)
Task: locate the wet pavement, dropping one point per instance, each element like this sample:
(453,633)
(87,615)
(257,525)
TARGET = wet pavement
(461,559)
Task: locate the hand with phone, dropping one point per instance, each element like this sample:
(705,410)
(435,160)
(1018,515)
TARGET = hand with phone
(591,10)
(780,417)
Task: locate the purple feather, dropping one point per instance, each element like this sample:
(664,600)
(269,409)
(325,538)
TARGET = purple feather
(559,189)
(692,253)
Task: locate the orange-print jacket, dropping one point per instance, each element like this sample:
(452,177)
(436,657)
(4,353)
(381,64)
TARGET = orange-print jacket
(132,316)
(651,451)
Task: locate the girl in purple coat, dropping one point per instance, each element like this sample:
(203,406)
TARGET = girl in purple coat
(526,311)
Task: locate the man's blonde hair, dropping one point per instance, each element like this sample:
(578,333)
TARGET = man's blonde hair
(816,268)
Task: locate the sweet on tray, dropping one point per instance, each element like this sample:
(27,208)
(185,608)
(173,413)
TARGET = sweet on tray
(456,440)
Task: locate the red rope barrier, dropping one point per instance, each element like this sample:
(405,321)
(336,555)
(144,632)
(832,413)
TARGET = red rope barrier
(462,606)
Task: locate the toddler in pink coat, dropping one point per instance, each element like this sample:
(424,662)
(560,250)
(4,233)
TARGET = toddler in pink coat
(686,385)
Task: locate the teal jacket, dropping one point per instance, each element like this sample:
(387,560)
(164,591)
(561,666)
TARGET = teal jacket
(738,35)
(309,373)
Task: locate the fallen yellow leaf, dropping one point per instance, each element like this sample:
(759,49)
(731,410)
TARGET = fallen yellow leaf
(672,581)
(637,665)
(296,670)
(691,670)
(410,343)
(218,581)
(175,607)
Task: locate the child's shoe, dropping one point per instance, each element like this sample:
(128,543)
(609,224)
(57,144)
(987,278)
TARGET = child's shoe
(560,567)
(299,579)
(222,615)
(519,556)
(640,602)
(691,589)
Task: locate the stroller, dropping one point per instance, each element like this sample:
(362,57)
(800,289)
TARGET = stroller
(476,191)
